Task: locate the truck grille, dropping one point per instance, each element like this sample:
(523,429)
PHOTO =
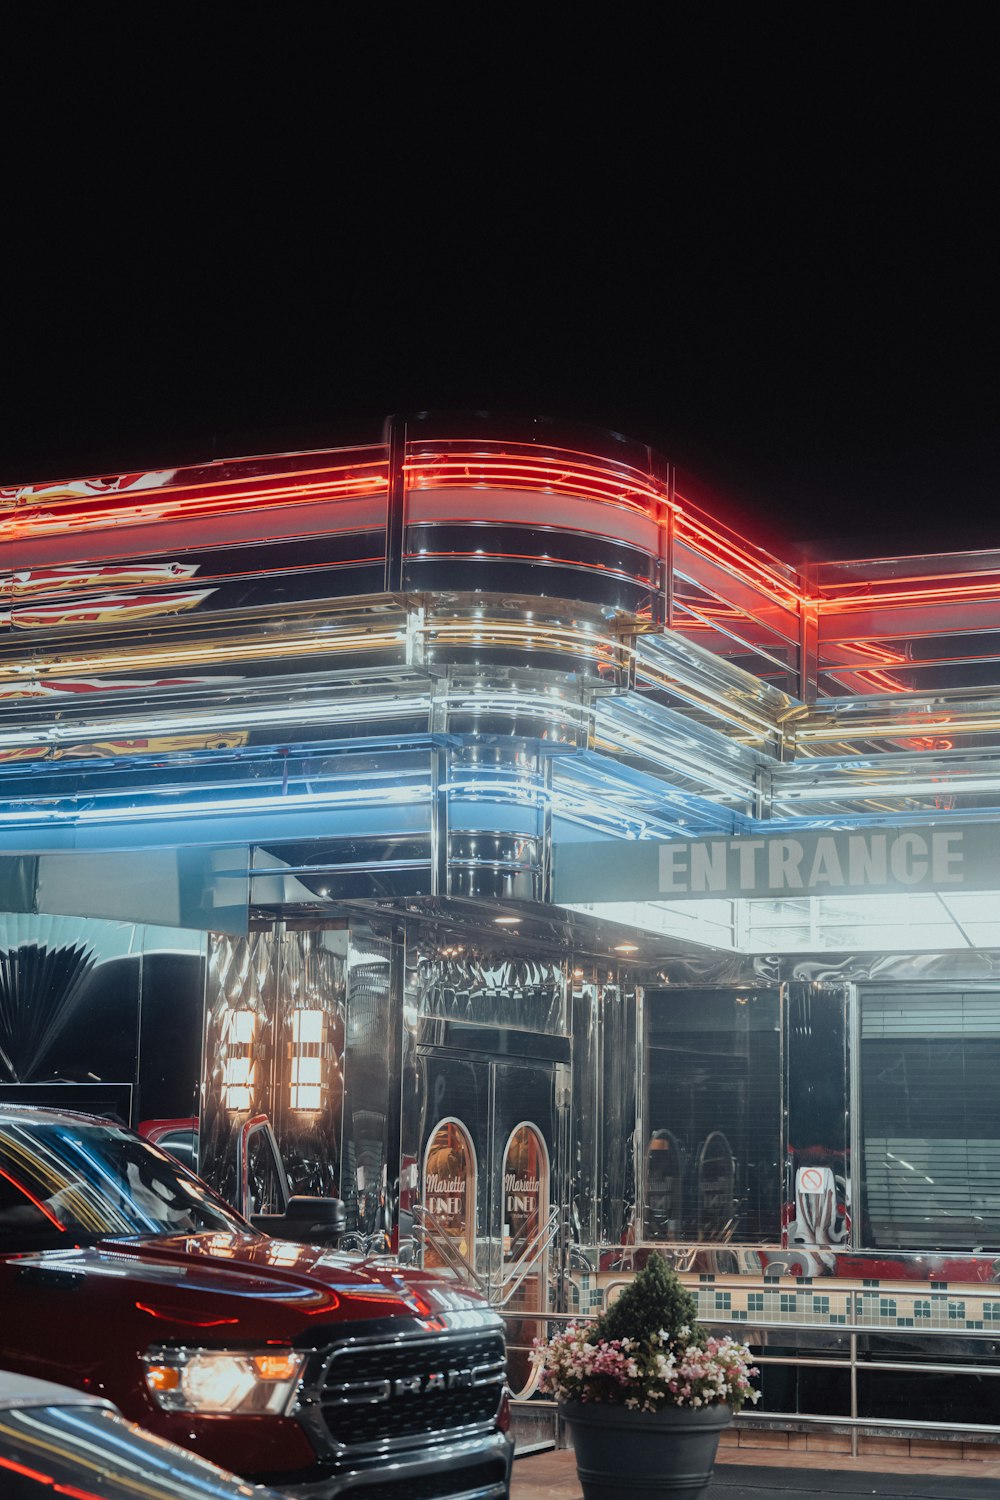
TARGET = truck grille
(375,1392)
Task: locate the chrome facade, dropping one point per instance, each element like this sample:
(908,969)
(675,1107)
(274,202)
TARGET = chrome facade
(330,720)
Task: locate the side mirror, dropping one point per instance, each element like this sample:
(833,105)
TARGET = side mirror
(307,1221)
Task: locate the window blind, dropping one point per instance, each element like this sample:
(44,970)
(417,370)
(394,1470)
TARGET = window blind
(930,1078)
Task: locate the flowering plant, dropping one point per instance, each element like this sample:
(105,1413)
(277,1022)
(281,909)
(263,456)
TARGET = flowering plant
(641,1355)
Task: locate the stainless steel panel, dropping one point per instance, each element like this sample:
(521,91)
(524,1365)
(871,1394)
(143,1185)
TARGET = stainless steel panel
(370,1082)
(619,1072)
(464,980)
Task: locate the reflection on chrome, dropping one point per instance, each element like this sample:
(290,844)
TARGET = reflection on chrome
(69,1447)
(92,1182)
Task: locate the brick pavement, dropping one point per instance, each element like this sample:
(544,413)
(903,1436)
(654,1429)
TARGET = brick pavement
(754,1474)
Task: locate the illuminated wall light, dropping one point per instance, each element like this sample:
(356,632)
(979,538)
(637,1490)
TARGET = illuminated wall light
(946,593)
(306,1086)
(213,720)
(953,784)
(239,1067)
(304,802)
(83,503)
(575,479)
(38,515)
(890,729)
(507,921)
(592,479)
(216,651)
(626,947)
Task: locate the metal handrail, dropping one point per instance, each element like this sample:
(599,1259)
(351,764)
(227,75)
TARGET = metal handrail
(850,1362)
(429,1227)
(529,1257)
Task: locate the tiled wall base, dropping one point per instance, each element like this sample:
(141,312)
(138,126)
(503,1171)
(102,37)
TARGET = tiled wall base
(835,1442)
(817,1302)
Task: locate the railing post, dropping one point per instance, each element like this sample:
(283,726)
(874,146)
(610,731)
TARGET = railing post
(663,597)
(854,1392)
(394,438)
(668,543)
(808,648)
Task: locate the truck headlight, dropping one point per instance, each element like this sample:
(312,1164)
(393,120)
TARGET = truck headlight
(216,1380)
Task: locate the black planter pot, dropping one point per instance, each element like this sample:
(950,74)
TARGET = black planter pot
(623,1454)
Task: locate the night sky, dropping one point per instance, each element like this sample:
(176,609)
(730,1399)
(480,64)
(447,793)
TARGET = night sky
(762,240)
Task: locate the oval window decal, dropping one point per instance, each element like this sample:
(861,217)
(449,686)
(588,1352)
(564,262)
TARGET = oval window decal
(525,1190)
(525,1249)
(450,1192)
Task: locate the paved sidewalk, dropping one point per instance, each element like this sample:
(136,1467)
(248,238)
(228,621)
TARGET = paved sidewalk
(552,1476)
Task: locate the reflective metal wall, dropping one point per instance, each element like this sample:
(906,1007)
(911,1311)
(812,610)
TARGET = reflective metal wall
(719,1120)
(275,1037)
(101,1016)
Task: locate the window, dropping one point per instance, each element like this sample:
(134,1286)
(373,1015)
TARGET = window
(712,1166)
(930,1101)
(83,1182)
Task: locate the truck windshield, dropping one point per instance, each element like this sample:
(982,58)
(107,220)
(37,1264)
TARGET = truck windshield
(64,1182)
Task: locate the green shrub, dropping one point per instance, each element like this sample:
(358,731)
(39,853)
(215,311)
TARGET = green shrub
(655,1300)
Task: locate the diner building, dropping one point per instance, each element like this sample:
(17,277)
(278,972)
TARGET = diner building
(561,873)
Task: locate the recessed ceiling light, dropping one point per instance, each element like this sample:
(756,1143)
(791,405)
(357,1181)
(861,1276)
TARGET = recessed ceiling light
(626,947)
(507,921)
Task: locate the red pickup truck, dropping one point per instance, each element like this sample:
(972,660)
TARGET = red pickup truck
(296,1366)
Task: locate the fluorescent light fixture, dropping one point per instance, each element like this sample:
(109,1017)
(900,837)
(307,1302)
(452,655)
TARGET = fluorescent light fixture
(239,1067)
(306,1087)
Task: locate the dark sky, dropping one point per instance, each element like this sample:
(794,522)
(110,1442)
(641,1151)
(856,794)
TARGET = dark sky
(763,240)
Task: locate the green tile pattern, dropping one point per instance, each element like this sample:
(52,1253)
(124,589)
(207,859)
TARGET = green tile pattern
(816,1303)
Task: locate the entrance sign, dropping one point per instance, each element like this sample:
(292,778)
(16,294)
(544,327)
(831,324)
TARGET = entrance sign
(814,862)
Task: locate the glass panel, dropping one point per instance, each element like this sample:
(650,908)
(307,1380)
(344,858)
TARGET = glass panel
(450,1192)
(525,1200)
(90,1181)
(904,1396)
(525,1125)
(930,1118)
(713,1108)
(525,1211)
(443,1086)
(818,1199)
(788,1390)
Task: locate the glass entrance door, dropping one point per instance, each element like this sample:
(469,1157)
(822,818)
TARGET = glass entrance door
(490,1182)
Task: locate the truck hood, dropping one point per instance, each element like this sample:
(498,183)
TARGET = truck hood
(266,1287)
